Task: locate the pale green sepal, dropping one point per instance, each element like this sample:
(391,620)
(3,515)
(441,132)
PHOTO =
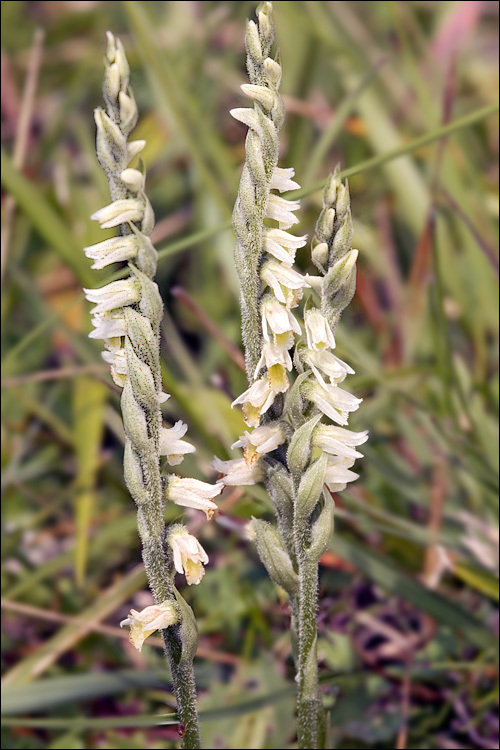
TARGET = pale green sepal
(150,305)
(322,528)
(142,338)
(133,475)
(188,631)
(311,487)
(299,451)
(141,380)
(147,257)
(279,484)
(134,420)
(339,286)
(294,403)
(343,238)
(274,556)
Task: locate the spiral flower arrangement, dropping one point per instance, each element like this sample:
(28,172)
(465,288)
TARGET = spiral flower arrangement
(299,446)
(298,443)
(127,317)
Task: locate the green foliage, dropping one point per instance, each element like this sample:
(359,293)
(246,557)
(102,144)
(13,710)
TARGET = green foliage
(418,143)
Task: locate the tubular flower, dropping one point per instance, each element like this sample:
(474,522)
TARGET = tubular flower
(264,251)
(108,326)
(337,476)
(256,401)
(189,556)
(263,439)
(286,283)
(237,471)
(327,363)
(191,493)
(319,333)
(113,296)
(333,401)
(114,250)
(171,444)
(142,624)
(280,320)
(338,441)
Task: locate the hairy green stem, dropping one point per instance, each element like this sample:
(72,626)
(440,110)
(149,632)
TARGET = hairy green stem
(309,705)
(310,713)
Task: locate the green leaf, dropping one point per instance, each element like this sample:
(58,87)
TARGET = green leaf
(481,580)
(49,693)
(45,220)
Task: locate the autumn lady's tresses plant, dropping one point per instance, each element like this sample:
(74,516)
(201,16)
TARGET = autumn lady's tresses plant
(127,318)
(299,445)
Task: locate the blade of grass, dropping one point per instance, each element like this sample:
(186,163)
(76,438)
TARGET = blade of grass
(44,656)
(167,88)
(48,693)
(117,531)
(329,135)
(197,237)
(21,142)
(480,580)
(413,145)
(44,219)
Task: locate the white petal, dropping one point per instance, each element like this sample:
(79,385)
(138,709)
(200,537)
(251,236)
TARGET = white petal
(286,239)
(274,248)
(281,210)
(238,472)
(260,94)
(134,148)
(113,296)
(118,212)
(171,444)
(282,180)
(113,250)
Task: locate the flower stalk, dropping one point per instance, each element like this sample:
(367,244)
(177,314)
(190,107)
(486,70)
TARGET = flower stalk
(299,447)
(127,317)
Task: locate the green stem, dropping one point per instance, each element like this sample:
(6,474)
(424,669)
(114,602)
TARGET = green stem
(310,714)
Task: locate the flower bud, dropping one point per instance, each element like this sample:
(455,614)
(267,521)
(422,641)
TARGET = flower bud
(143,624)
(260,94)
(133,179)
(273,71)
(189,556)
(319,255)
(343,238)
(331,187)
(252,42)
(134,420)
(141,380)
(142,337)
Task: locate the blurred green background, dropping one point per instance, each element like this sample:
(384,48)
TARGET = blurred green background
(408,613)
